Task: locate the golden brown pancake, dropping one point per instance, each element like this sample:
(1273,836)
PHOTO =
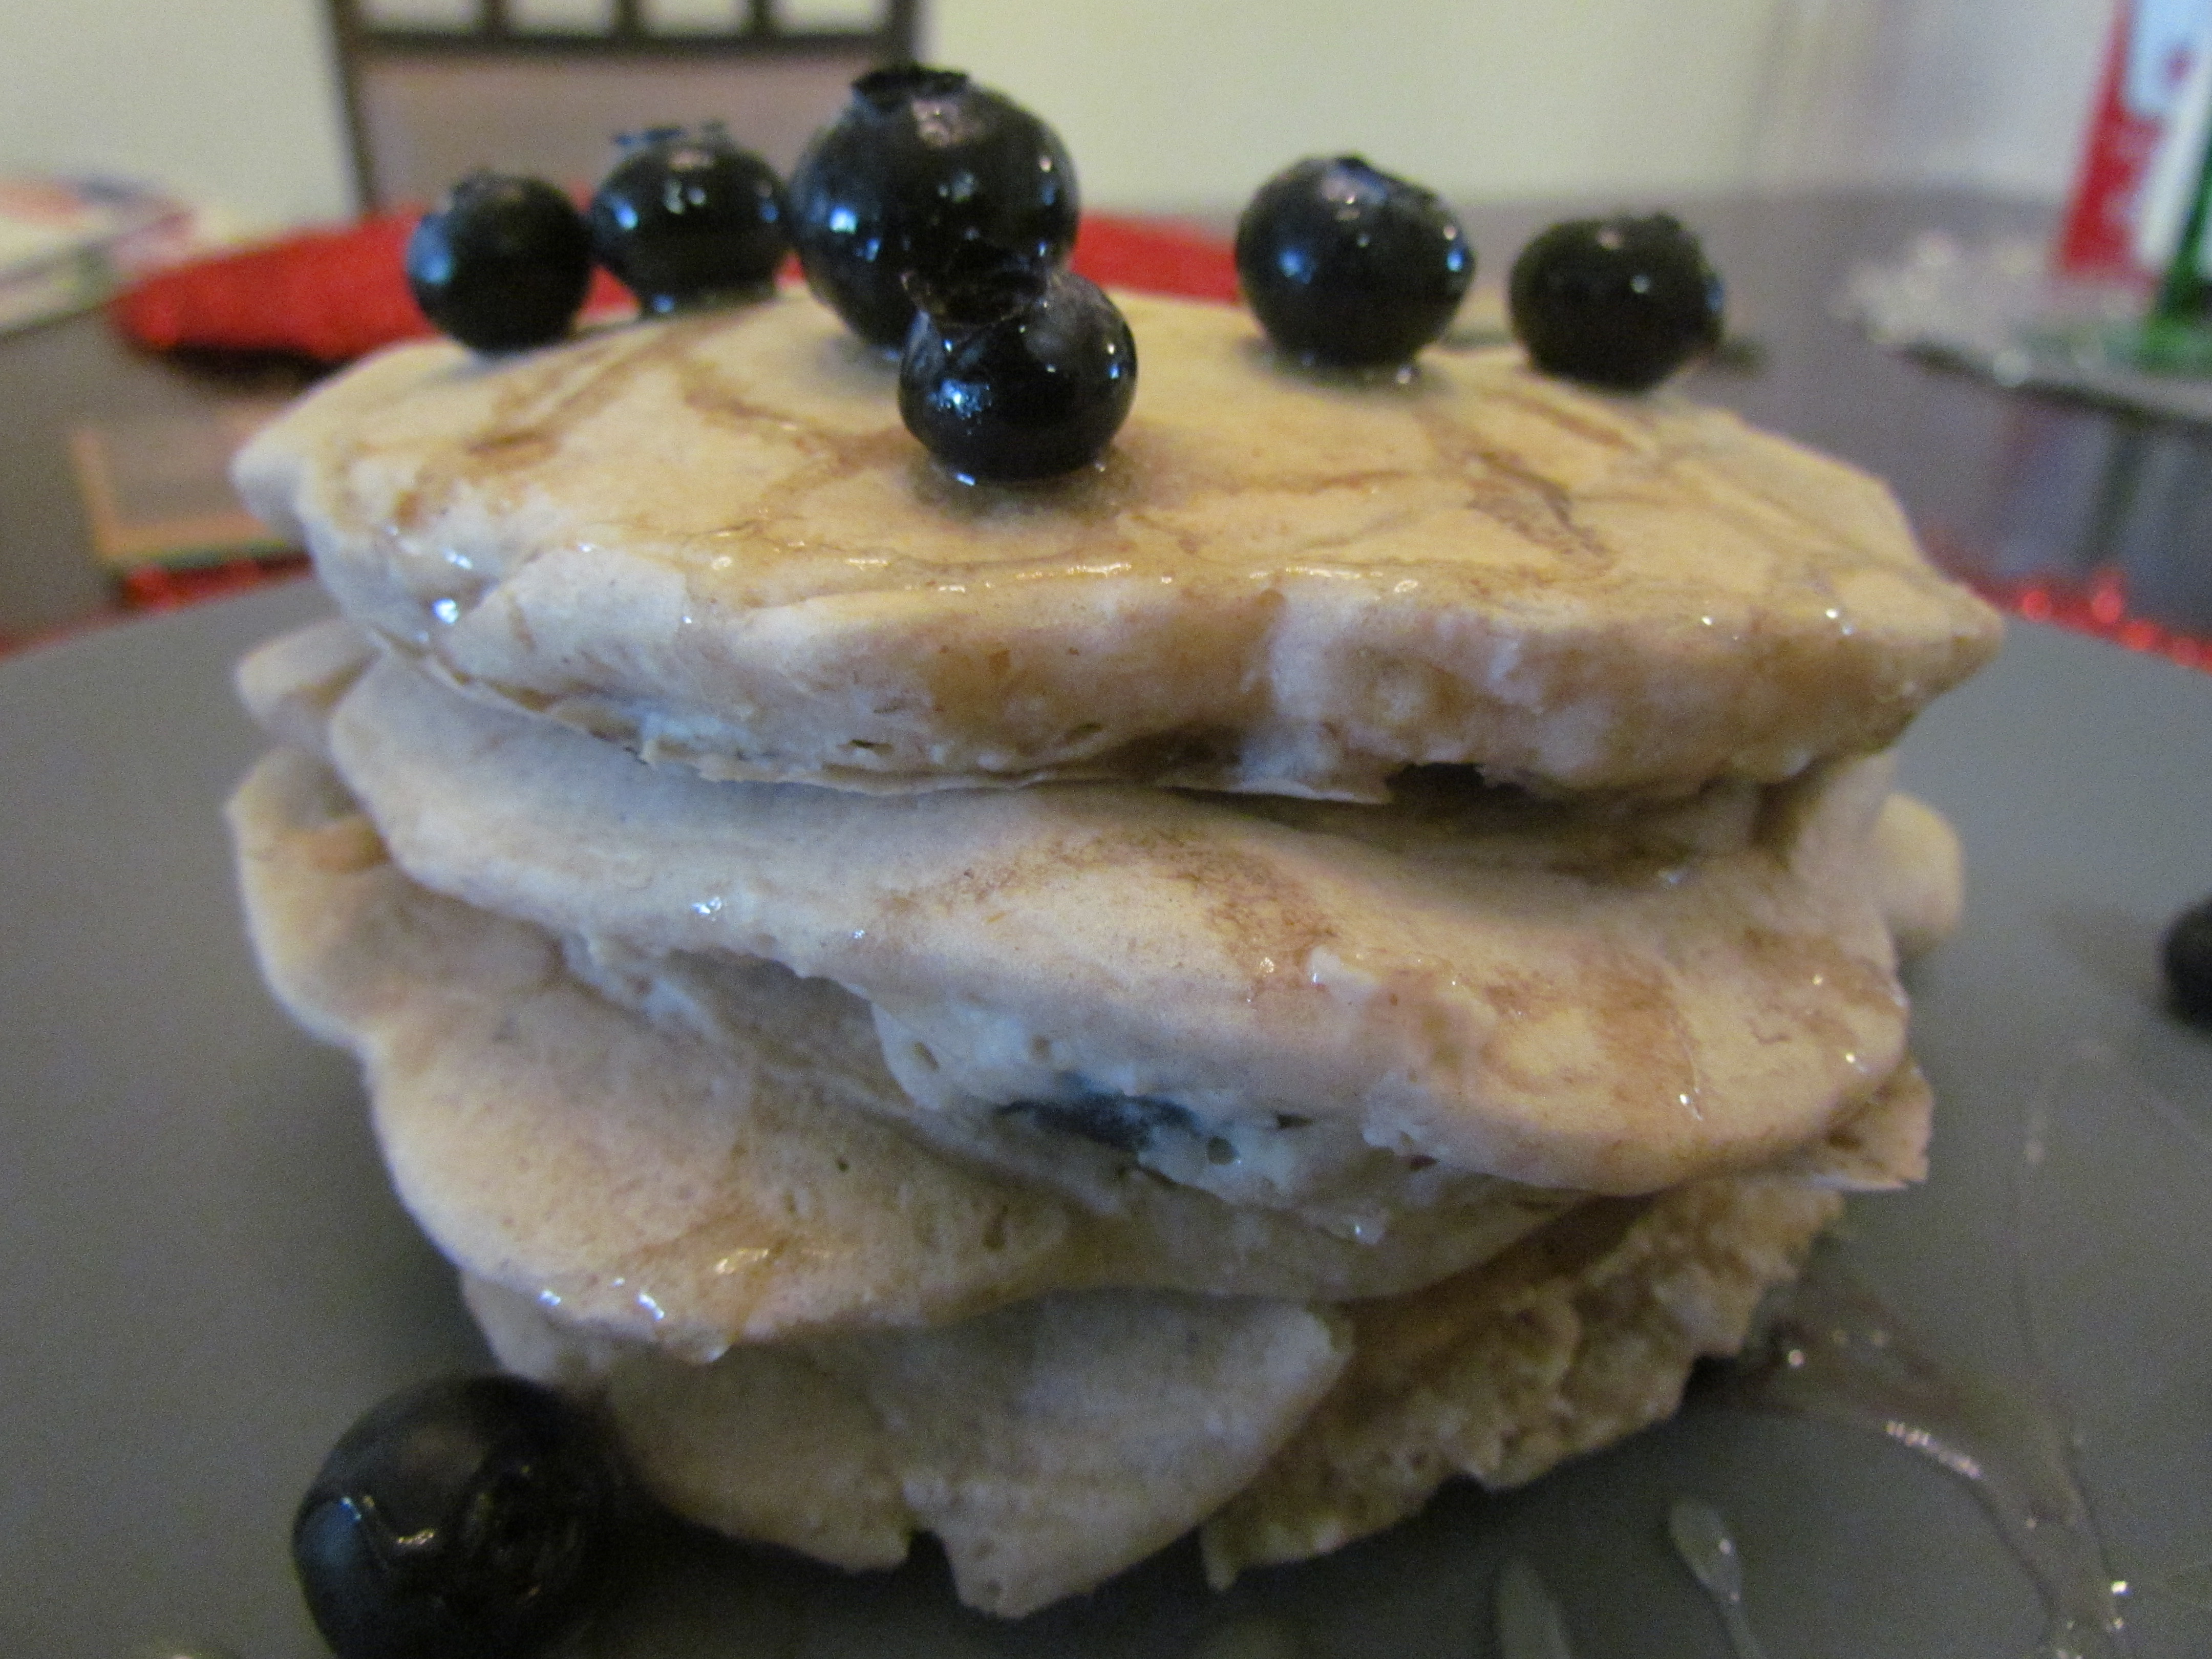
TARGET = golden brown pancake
(1051,1443)
(631,1197)
(693,1190)
(1056,1167)
(1048,1445)
(1327,1009)
(710,538)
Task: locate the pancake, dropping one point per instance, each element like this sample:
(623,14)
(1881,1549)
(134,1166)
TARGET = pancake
(1091,1158)
(1578,1337)
(1302,1006)
(710,538)
(652,1183)
(1922,887)
(689,1210)
(1344,946)
(290,685)
(1052,1444)
(1048,1445)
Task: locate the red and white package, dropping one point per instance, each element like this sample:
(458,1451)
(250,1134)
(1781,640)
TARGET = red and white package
(2155,48)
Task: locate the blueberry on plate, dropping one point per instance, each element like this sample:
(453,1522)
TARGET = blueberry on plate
(2187,958)
(460,1519)
(1347,265)
(689,217)
(501,264)
(1618,303)
(1012,373)
(921,161)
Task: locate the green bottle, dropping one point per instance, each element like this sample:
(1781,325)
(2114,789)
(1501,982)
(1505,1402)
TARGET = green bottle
(2175,336)
(2185,294)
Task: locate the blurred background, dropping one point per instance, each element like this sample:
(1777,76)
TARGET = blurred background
(1171,105)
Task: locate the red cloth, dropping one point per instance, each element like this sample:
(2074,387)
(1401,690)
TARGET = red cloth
(1155,257)
(334,296)
(330,295)
(155,587)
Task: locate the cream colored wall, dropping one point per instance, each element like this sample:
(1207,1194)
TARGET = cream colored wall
(1175,103)
(229,100)
(1993,93)
(1172,102)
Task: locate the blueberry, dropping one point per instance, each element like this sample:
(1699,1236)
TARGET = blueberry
(457,1520)
(1011,373)
(686,217)
(1126,1123)
(1618,303)
(921,161)
(1345,265)
(502,262)
(2187,954)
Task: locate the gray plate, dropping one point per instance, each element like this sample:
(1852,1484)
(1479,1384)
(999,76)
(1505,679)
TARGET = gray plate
(203,1276)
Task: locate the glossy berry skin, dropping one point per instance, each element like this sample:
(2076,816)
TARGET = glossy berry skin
(1017,374)
(501,264)
(920,162)
(1345,265)
(687,218)
(1616,303)
(2187,958)
(458,1520)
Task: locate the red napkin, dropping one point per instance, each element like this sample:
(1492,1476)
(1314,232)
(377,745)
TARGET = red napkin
(334,296)
(1155,256)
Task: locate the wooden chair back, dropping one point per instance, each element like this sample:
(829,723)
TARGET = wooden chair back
(434,88)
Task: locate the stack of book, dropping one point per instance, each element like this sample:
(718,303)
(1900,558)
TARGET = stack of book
(66,244)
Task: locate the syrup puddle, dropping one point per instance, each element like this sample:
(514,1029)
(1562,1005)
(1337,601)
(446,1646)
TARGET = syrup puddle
(2103,1146)
(1835,1353)
(1702,1539)
(2100,1144)
(1528,1622)
(2190,1586)
(2093,1138)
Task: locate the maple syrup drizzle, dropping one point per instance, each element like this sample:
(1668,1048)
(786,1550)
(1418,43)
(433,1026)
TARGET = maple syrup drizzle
(1833,1353)
(1708,1549)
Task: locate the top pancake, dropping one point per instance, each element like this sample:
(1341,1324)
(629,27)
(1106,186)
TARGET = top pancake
(710,538)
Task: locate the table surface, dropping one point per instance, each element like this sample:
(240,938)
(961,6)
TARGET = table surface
(2003,485)
(55,378)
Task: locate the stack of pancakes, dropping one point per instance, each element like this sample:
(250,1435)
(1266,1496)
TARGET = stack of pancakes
(1345,945)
